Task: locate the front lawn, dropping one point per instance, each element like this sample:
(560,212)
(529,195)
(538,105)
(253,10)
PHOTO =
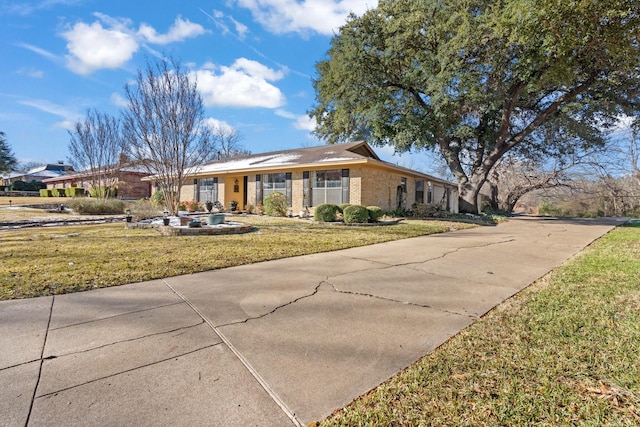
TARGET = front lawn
(566,351)
(54,260)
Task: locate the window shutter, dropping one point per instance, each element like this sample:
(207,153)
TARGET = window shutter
(306,189)
(288,188)
(345,185)
(258,189)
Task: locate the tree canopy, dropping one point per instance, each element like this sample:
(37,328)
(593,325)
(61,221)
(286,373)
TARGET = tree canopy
(164,126)
(7,160)
(95,145)
(476,79)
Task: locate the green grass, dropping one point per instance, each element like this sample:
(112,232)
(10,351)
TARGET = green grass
(55,260)
(566,351)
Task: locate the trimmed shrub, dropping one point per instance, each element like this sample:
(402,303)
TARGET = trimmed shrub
(342,206)
(326,212)
(275,204)
(375,213)
(45,192)
(355,214)
(102,192)
(74,192)
(58,192)
(87,206)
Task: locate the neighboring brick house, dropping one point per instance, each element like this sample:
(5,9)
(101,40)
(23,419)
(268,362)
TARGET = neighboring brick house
(341,173)
(129,182)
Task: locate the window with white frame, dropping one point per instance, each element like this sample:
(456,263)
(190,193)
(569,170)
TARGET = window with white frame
(208,189)
(329,187)
(273,182)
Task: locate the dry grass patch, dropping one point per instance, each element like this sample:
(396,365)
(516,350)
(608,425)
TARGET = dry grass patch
(55,260)
(563,352)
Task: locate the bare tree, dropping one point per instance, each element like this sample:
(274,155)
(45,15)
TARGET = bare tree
(95,147)
(164,126)
(227,142)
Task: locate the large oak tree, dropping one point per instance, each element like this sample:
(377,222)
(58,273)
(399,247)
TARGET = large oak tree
(476,79)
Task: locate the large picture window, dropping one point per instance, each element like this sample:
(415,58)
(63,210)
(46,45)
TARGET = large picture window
(327,187)
(273,182)
(208,189)
(280,182)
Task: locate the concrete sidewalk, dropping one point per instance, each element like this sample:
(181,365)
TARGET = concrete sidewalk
(272,344)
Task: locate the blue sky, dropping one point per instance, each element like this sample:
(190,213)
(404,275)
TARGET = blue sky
(254,60)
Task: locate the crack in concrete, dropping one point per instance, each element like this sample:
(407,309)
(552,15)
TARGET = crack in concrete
(44,344)
(126,371)
(254,373)
(315,291)
(181,328)
(444,255)
(367,295)
(118,315)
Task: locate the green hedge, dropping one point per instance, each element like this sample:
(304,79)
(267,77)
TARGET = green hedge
(375,213)
(326,212)
(45,192)
(101,191)
(342,206)
(58,192)
(74,192)
(355,214)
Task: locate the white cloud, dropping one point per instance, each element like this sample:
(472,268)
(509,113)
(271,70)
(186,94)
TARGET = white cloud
(69,117)
(92,47)
(243,84)
(118,100)
(111,42)
(320,16)
(179,31)
(301,122)
(215,124)
(31,72)
(39,51)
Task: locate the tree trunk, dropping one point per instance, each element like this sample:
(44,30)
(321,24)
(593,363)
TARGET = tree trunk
(468,202)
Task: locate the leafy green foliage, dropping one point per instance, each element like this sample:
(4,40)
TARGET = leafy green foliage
(7,160)
(157,198)
(355,214)
(103,192)
(342,206)
(275,204)
(19,185)
(74,192)
(478,79)
(375,213)
(326,212)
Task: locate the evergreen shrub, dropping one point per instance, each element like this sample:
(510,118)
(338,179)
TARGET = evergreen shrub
(375,213)
(355,214)
(326,212)
(275,204)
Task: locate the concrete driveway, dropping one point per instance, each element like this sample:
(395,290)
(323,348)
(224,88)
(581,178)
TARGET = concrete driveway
(271,344)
